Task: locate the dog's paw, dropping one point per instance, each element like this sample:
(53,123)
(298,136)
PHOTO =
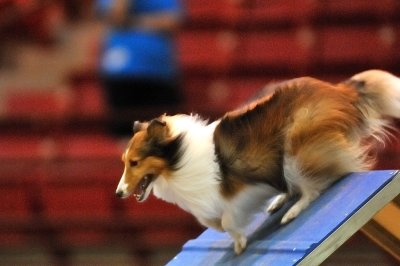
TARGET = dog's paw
(240,245)
(277,203)
(290,215)
(299,206)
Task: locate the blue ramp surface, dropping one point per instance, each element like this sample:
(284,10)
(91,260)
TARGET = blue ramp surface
(309,239)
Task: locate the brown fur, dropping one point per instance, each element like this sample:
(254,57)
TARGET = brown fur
(305,117)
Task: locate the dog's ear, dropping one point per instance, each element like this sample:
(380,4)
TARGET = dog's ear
(157,130)
(138,126)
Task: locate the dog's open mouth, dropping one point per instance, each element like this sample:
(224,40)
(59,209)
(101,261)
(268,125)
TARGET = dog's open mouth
(140,190)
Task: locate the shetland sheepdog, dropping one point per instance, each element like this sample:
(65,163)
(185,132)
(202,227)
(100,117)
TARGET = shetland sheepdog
(292,144)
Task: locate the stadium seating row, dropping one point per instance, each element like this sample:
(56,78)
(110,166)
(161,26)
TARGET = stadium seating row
(212,58)
(236,11)
(259,13)
(291,50)
(54,103)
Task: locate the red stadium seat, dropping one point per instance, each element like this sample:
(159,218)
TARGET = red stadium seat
(89,101)
(215,12)
(344,8)
(37,104)
(275,49)
(203,51)
(78,197)
(388,156)
(396,50)
(88,146)
(158,224)
(80,189)
(19,147)
(260,12)
(15,183)
(14,202)
(156,211)
(244,90)
(19,200)
(354,45)
(161,238)
(213,97)
(73,202)
(208,97)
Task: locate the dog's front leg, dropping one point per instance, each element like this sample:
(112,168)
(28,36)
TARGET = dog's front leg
(212,223)
(233,226)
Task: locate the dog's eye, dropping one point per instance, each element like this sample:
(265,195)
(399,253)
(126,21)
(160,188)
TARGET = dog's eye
(133,163)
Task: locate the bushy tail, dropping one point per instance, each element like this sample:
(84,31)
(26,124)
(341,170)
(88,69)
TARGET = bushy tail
(379,100)
(379,92)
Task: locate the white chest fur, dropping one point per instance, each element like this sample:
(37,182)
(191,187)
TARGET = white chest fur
(194,186)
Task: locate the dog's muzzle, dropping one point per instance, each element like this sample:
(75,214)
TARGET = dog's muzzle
(119,193)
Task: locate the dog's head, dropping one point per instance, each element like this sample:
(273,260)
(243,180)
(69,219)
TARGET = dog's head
(152,152)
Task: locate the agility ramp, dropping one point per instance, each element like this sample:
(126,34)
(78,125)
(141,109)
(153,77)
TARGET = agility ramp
(309,239)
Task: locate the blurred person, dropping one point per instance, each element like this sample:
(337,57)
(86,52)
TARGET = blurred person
(138,63)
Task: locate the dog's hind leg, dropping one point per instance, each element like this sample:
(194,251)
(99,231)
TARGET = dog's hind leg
(277,202)
(312,171)
(307,196)
(307,188)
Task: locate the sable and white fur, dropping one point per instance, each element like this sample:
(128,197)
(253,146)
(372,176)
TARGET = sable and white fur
(293,143)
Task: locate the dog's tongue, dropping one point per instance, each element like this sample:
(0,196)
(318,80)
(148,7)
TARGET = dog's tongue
(140,189)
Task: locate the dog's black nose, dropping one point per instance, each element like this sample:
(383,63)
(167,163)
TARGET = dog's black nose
(119,193)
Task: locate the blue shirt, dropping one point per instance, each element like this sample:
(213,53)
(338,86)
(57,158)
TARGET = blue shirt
(133,52)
